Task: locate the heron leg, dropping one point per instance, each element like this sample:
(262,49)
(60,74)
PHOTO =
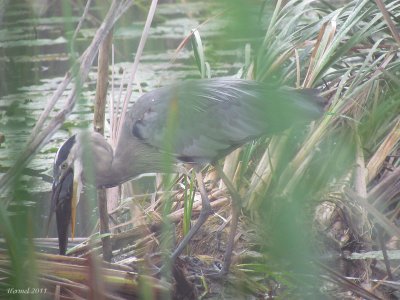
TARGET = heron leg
(236,200)
(205,212)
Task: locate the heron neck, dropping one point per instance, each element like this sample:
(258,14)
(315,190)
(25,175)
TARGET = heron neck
(130,160)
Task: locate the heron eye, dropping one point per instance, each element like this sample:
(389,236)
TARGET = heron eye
(64,165)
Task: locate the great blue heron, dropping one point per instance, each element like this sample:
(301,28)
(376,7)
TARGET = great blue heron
(196,121)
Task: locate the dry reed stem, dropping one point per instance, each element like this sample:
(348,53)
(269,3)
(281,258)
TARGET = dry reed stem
(230,165)
(142,42)
(386,147)
(302,157)
(392,27)
(261,178)
(324,41)
(73,273)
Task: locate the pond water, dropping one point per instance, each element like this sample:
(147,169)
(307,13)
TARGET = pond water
(35,54)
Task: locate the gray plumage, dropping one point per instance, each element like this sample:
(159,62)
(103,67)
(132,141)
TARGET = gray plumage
(196,121)
(200,121)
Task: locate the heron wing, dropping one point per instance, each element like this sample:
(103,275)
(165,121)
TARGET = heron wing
(202,120)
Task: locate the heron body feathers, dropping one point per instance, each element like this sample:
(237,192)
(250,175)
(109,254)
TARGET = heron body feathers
(201,121)
(197,121)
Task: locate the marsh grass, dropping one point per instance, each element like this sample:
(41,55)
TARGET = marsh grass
(310,193)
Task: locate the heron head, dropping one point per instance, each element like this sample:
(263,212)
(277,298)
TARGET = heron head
(68,177)
(67,186)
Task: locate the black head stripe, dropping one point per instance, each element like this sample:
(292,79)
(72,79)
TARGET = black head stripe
(64,151)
